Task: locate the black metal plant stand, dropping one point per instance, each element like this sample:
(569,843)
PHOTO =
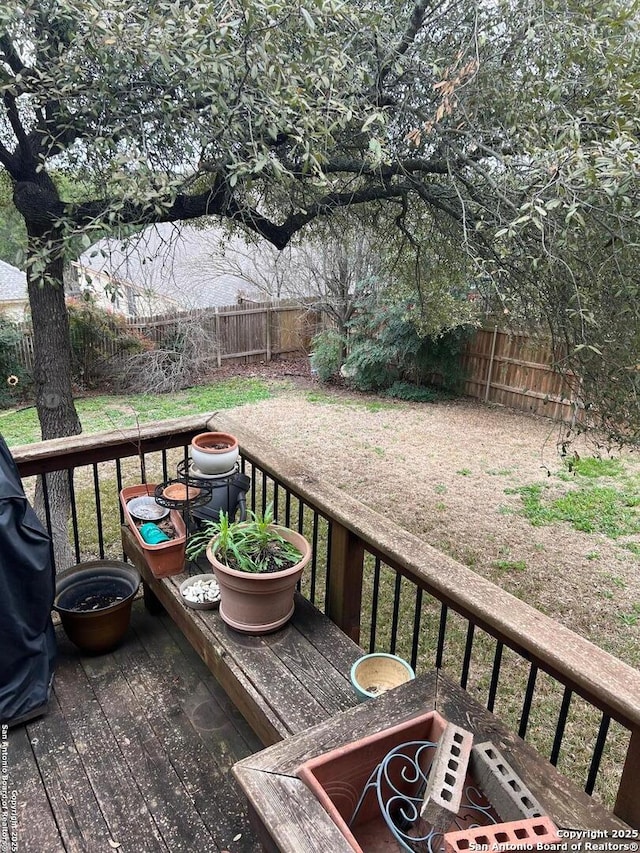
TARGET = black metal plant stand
(233,499)
(218,493)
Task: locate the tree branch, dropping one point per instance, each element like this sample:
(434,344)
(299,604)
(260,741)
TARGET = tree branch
(7,160)
(408,37)
(10,55)
(52,130)
(404,166)
(16,125)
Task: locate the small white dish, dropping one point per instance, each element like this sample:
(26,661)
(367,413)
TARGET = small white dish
(197,474)
(203,590)
(145,508)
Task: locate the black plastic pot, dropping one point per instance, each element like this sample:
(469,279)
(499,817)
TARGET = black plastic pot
(95,585)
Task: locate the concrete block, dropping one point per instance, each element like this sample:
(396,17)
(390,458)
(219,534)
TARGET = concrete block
(445,787)
(502,786)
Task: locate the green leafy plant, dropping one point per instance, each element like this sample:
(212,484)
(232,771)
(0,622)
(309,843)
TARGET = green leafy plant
(327,354)
(592,466)
(412,393)
(390,349)
(13,378)
(630,619)
(592,509)
(246,546)
(100,339)
(511,565)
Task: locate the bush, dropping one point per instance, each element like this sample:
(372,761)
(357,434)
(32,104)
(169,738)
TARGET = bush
(387,347)
(14,379)
(186,354)
(99,342)
(438,359)
(412,393)
(327,354)
(371,365)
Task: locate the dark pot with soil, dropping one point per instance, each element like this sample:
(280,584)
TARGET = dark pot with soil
(94,602)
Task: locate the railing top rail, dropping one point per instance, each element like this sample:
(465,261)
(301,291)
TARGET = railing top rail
(59,454)
(600,677)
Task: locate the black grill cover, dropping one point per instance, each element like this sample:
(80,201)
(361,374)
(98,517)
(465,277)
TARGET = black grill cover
(27,588)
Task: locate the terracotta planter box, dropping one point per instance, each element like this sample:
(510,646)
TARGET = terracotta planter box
(166,558)
(338,779)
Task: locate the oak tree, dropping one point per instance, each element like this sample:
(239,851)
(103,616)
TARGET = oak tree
(509,126)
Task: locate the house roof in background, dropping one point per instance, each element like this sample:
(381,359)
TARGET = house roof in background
(178,263)
(13,283)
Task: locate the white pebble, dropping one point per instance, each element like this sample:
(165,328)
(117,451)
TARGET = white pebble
(202,590)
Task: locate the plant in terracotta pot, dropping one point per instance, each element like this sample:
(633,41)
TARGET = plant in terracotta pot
(257,564)
(214,453)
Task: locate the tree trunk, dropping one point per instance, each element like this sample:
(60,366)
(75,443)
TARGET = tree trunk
(52,380)
(51,347)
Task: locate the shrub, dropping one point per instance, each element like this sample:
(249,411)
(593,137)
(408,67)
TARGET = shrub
(387,347)
(327,354)
(14,379)
(439,358)
(412,393)
(371,365)
(186,354)
(100,340)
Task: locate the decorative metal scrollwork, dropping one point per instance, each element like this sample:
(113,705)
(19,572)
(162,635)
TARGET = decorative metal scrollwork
(408,765)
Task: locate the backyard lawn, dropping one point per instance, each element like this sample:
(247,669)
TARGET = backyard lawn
(119,411)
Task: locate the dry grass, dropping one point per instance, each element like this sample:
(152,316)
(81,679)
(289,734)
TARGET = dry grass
(449,473)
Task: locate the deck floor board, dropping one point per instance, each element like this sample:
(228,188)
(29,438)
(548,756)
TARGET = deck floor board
(136,751)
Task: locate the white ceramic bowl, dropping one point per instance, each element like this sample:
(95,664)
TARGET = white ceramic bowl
(214,452)
(145,508)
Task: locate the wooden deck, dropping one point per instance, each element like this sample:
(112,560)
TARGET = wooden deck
(134,754)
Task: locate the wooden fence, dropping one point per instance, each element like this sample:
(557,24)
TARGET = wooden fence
(247,331)
(508,368)
(515,370)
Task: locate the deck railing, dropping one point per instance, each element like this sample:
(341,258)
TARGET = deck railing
(391,591)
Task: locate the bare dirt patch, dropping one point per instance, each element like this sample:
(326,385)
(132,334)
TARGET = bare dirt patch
(447,471)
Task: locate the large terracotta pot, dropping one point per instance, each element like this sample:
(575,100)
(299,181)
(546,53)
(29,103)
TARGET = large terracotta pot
(257,603)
